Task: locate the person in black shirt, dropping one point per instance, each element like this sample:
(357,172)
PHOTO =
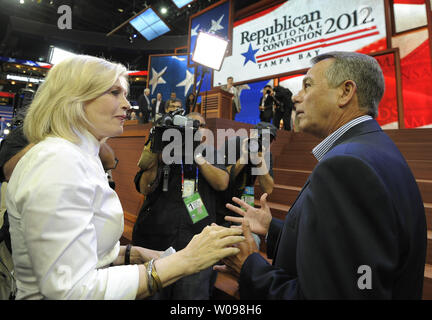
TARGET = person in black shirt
(283,107)
(266,104)
(242,177)
(164,219)
(189,103)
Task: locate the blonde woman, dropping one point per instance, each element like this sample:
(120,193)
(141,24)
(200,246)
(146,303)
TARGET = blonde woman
(65,220)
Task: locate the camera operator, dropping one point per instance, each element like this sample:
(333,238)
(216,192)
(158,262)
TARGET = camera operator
(283,107)
(242,179)
(266,104)
(166,218)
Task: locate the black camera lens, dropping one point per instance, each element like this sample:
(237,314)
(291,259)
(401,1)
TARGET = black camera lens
(268,92)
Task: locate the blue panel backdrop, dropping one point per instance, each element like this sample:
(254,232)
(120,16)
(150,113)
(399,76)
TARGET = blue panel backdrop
(170,74)
(250,95)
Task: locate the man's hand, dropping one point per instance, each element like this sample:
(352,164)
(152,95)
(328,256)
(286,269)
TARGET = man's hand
(259,218)
(233,264)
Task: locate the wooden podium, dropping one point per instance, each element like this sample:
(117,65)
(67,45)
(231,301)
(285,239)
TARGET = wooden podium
(216,103)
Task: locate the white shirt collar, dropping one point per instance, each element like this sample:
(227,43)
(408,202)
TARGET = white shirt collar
(324,146)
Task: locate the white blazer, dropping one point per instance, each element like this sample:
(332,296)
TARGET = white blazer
(65,225)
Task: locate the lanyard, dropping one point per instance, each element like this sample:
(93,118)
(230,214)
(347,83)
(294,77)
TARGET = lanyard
(196,177)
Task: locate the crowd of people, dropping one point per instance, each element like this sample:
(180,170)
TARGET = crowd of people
(274,105)
(360,208)
(151,109)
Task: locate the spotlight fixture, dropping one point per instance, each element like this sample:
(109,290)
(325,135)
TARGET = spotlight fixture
(56,55)
(209,50)
(164,10)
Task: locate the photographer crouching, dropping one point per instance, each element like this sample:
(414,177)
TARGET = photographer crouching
(180,192)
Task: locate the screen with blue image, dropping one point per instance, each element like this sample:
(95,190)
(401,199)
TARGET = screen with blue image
(149,25)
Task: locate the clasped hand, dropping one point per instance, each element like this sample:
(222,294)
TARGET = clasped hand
(255,220)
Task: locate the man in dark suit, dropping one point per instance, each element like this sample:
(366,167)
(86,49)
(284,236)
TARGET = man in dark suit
(158,106)
(266,104)
(144,106)
(357,230)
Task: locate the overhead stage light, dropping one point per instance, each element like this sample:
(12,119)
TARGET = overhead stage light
(149,24)
(209,50)
(164,10)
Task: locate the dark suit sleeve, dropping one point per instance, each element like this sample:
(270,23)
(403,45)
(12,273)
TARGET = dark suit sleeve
(346,222)
(273,236)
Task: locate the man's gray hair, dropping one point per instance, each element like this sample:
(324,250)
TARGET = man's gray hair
(364,70)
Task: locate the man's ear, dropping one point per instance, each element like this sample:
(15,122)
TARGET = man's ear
(348,91)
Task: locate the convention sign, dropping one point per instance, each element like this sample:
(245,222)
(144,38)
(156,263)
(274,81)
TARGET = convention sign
(285,37)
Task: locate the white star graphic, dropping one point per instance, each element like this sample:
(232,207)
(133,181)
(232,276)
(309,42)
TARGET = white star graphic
(157,78)
(187,82)
(216,26)
(194,31)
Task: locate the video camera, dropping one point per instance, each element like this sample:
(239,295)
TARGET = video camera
(172,120)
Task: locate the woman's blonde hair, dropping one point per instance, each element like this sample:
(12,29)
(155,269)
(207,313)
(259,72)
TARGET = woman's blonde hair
(58,106)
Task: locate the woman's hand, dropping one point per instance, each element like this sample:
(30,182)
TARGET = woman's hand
(213,244)
(141,255)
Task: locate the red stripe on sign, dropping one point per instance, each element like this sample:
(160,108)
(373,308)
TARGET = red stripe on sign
(139,73)
(320,46)
(290,77)
(256,15)
(316,41)
(7,94)
(409,1)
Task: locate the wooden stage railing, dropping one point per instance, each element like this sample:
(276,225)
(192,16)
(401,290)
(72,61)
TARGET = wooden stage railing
(293,162)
